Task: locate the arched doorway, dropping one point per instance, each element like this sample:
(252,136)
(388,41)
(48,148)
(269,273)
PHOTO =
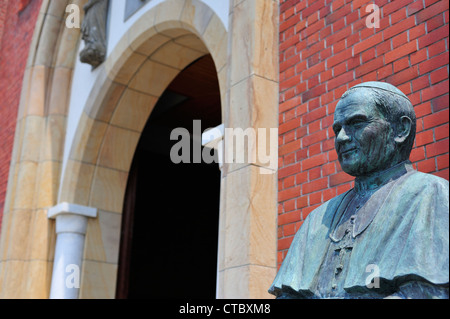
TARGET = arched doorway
(169,233)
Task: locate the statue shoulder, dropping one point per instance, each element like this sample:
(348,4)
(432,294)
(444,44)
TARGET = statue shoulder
(429,182)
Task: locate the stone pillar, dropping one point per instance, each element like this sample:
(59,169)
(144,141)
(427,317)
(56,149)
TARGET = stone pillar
(71,224)
(248,207)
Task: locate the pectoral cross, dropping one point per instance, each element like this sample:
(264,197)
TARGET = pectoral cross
(345,245)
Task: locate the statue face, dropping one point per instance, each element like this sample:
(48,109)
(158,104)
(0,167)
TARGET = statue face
(364,138)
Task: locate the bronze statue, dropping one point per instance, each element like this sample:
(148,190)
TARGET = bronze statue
(388,236)
(93,30)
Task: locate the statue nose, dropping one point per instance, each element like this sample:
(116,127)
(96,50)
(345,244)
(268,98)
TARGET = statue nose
(343,137)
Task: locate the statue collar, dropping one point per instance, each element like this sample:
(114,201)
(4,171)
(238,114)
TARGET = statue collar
(376,195)
(365,184)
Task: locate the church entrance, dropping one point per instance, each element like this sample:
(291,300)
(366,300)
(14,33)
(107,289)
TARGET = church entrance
(170,219)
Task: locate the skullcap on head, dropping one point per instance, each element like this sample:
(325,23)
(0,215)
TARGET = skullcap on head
(380,86)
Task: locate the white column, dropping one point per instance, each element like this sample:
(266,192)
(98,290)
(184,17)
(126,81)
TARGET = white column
(71,224)
(213,139)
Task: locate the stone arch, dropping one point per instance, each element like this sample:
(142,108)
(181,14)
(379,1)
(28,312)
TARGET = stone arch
(154,50)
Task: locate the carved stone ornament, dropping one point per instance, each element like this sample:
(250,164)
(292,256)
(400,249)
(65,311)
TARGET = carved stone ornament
(93,30)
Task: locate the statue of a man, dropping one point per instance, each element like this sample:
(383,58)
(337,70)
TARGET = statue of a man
(388,236)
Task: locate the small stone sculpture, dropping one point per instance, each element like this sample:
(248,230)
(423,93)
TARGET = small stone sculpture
(93,30)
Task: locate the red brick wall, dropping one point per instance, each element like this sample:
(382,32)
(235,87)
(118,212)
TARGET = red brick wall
(17,22)
(326,48)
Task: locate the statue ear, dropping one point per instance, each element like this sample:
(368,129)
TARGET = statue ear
(403,129)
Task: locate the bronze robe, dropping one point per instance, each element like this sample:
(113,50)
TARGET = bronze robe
(402,229)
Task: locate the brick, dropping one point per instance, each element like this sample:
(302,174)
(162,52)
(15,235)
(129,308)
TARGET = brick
(288,193)
(315,186)
(287,64)
(384,47)
(414,7)
(417,154)
(418,56)
(289,170)
(427,166)
(440,103)
(284,243)
(442,162)
(400,39)
(422,109)
(434,63)
(435,90)
(435,119)
(314,173)
(433,36)
(359,3)
(289,230)
(313,161)
(313,70)
(315,7)
(401,51)
(314,138)
(437,148)
(441,132)
(289,205)
(315,198)
(289,22)
(288,148)
(289,83)
(370,66)
(431,11)
(338,58)
(339,36)
(401,64)
(420,83)
(403,76)
(314,92)
(435,22)
(290,125)
(314,115)
(439,75)
(425,137)
(394,6)
(368,43)
(416,32)
(315,149)
(436,48)
(399,27)
(338,14)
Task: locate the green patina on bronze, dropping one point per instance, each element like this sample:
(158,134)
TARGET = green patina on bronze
(388,236)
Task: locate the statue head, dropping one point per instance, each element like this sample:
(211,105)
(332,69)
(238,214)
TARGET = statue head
(374,126)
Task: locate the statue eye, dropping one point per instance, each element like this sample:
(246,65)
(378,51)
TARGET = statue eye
(357,121)
(336,129)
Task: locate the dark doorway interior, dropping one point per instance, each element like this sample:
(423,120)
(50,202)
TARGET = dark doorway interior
(171,211)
